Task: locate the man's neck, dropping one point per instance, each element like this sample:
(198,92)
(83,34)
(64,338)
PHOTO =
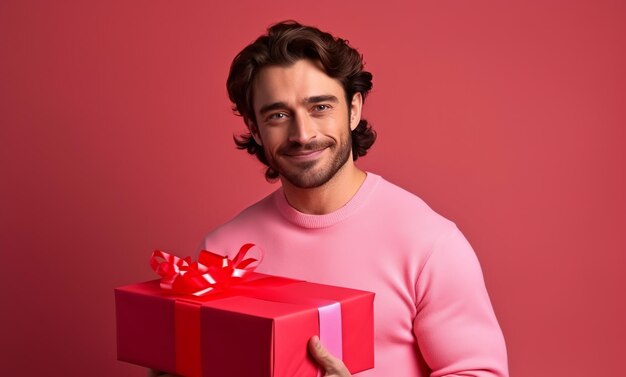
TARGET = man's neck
(329,197)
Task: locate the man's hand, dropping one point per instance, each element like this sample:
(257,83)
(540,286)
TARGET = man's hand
(332,366)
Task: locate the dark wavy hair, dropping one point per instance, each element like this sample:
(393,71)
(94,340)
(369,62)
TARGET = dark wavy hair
(286,43)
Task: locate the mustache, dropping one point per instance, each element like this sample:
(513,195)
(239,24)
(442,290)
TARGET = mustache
(296,148)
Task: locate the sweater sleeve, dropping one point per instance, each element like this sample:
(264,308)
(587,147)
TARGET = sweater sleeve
(455,326)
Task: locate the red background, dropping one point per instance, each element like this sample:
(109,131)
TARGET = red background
(116,138)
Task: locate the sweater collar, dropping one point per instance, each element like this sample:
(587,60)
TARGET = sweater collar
(305,220)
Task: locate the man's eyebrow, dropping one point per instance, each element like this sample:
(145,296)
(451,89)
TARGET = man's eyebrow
(313,99)
(322,98)
(272,106)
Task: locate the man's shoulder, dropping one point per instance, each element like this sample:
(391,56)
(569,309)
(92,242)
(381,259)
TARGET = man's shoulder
(398,194)
(406,208)
(263,208)
(236,231)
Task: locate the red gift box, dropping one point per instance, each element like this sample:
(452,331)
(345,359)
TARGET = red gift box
(257,326)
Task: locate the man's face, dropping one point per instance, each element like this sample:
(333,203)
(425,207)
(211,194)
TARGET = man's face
(303,122)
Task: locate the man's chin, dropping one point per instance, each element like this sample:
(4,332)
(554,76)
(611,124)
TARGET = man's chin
(306,180)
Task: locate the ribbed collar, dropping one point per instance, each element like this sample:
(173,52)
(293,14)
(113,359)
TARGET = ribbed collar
(322,221)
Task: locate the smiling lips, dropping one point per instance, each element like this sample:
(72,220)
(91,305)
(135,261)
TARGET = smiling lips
(305,155)
(308,152)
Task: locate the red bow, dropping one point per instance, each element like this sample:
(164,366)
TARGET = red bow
(182,276)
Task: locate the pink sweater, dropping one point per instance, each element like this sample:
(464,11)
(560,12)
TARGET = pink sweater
(432,313)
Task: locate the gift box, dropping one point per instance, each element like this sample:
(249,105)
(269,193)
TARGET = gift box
(230,321)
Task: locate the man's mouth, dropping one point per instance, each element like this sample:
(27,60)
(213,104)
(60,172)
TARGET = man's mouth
(307,152)
(305,155)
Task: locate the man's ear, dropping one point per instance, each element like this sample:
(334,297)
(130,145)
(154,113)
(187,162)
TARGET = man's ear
(355,110)
(254,131)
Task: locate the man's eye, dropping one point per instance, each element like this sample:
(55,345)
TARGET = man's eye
(276,116)
(321,107)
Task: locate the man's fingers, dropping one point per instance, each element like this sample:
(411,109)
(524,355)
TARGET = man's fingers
(319,353)
(328,362)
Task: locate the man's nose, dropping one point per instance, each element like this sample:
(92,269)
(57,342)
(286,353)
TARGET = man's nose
(302,129)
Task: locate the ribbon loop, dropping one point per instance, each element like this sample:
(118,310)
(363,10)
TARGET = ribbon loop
(182,276)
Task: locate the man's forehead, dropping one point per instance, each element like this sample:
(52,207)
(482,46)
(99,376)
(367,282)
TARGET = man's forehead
(296,82)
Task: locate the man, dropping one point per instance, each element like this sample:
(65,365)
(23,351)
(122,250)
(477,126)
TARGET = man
(300,92)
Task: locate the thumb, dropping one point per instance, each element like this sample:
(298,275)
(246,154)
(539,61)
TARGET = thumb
(331,364)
